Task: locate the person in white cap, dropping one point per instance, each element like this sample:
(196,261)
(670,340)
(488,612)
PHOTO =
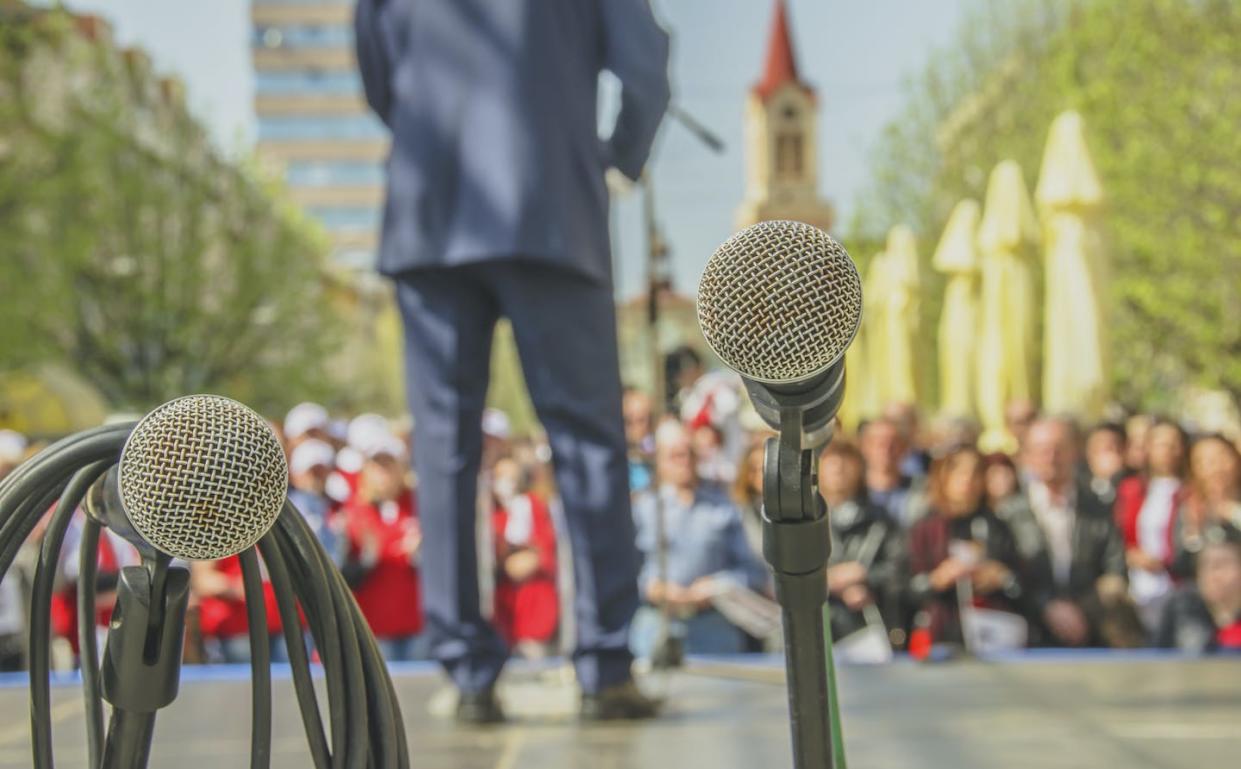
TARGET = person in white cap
(310,466)
(384,546)
(306,421)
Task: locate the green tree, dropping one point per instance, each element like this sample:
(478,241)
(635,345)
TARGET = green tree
(130,248)
(1157,83)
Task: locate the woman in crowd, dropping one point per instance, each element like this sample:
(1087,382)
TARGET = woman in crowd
(1206,616)
(1213,498)
(526,601)
(384,539)
(748,493)
(864,570)
(961,549)
(1000,479)
(1146,506)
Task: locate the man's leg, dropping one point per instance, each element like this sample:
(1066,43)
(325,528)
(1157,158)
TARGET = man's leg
(449,320)
(565,328)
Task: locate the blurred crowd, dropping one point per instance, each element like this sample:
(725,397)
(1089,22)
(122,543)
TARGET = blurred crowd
(1118,534)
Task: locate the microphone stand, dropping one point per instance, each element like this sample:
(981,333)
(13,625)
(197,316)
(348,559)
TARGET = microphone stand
(797,543)
(142,662)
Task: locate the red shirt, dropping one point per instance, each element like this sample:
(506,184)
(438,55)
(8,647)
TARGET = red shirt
(527,610)
(1130,496)
(226,617)
(390,596)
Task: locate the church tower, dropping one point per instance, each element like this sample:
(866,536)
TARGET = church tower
(781,125)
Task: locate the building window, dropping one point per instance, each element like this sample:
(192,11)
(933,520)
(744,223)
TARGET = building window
(790,156)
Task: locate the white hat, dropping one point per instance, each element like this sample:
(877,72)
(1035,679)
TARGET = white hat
(311,454)
(12,446)
(391,446)
(496,424)
(303,418)
(366,430)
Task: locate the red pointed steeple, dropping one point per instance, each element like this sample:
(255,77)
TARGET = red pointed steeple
(781,65)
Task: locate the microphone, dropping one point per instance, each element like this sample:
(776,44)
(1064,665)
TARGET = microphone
(779,303)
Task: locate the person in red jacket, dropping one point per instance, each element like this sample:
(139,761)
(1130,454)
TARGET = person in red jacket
(527,611)
(222,618)
(381,523)
(1146,508)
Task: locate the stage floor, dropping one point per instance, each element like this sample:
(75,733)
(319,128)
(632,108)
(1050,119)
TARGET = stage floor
(1044,711)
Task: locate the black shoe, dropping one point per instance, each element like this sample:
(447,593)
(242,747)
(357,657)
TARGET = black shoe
(479,708)
(621,702)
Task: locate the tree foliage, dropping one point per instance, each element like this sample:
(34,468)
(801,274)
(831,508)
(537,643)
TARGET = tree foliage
(129,247)
(1157,82)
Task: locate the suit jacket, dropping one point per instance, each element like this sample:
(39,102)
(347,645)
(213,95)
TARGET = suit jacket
(492,106)
(1097,549)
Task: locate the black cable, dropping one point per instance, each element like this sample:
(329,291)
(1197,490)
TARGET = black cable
(260,661)
(88,643)
(299,663)
(41,611)
(323,629)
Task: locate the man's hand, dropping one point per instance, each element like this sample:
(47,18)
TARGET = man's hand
(1067,622)
(698,597)
(990,576)
(521,565)
(845,575)
(856,597)
(948,573)
(1143,561)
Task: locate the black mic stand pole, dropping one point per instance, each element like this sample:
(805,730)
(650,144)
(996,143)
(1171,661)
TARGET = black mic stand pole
(142,662)
(797,543)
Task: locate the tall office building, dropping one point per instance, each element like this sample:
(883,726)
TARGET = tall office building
(313,121)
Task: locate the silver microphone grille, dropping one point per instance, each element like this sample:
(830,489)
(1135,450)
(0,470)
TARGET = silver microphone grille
(780,302)
(202,477)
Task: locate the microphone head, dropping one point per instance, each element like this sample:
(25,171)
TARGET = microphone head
(202,477)
(780,302)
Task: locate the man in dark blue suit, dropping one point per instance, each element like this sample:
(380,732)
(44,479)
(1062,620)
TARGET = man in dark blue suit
(497,207)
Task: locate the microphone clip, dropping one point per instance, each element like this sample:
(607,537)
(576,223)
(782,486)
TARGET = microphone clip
(141,668)
(796,534)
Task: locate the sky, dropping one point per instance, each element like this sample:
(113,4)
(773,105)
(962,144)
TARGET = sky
(856,53)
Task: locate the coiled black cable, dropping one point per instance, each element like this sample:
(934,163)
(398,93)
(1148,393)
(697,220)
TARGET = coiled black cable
(364,719)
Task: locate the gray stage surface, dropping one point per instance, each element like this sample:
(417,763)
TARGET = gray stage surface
(1047,711)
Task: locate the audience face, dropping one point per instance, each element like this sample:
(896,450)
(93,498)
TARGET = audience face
(706,441)
(674,458)
(1137,427)
(752,471)
(1000,481)
(882,448)
(1165,452)
(1216,469)
(1018,417)
(1049,453)
(313,480)
(1219,576)
(383,478)
(637,410)
(840,477)
(1105,453)
(962,484)
(506,480)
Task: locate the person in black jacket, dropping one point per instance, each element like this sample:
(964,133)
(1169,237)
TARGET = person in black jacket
(1072,553)
(864,569)
(1206,616)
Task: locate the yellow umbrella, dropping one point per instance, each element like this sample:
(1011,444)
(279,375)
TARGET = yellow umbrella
(870,355)
(899,316)
(1074,341)
(49,400)
(1007,346)
(957,257)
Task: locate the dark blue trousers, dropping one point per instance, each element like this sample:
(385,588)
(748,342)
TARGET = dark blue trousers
(565,329)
